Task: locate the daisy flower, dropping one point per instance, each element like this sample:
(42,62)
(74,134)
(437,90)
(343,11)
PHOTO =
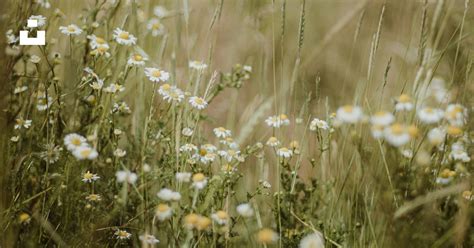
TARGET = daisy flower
(445,177)
(221,132)
(124,38)
(85,152)
(160,11)
(436,135)
(122,234)
(40,20)
(403,103)
(456,114)
(73,141)
(188,132)
(349,114)
(267,236)
(120,153)
(70,30)
(20,89)
(199,181)
(318,124)
(273,142)
(284,152)
(382,118)
(126,176)
(137,60)
(149,239)
(197,102)
(95,41)
(173,94)
(197,65)
(43,103)
(154,25)
(278,121)
(166,194)
(188,148)
(89,177)
(94,198)
(163,211)
(467,194)
(429,115)
(183,177)
(313,240)
(114,88)
(221,217)
(20,122)
(245,210)
(156,75)
(397,135)
(377,131)
(101,50)
(454,131)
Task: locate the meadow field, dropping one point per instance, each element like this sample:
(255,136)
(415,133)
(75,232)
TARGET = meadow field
(237,123)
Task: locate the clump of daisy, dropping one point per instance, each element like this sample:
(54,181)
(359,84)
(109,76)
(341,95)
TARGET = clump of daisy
(197,102)
(349,114)
(124,38)
(71,29)
(156,75)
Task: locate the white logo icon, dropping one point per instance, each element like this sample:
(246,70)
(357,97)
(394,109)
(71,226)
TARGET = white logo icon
(27,41)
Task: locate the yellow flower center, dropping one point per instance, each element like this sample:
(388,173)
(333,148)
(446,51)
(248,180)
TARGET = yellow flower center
(71,29)
(454,131)
(397,129)
(199,101)
(138,57)
(76,141)
(88,175)
(198,177)
(222,215)
(266,236)
(348,108)
(124,35)
(85,152)
(162,208)
(404,98)
(157,73)
(99,40)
